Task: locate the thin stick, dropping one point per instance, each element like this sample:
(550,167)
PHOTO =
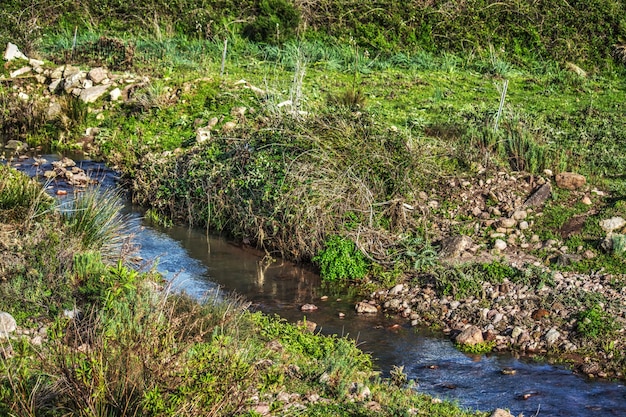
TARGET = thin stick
(502,97)
(224,57)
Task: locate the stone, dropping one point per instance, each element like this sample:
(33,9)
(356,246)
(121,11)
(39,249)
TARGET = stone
(21,71)
(97,75)
(366,308)
(499,412)
(614,223)
(587,201)
(453,246)
(73,81)
(396,290)
(499,244)
(520,214)
(16,145)
(35,63)
(115,94)
(539,197)
(570,180)
(552,336)
(308,307)
(470,336)
(90,95)
(87,83)
(507,223)
(308,325)
(203,134)
(7,324)
(523,225)
(13,52)
(55,85)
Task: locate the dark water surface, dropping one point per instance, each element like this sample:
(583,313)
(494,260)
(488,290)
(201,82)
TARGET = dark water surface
(203,265)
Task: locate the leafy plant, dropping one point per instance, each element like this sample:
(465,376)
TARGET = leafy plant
(340,260)
(478,348)
(595,322)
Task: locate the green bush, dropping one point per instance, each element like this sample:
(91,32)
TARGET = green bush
(340,260)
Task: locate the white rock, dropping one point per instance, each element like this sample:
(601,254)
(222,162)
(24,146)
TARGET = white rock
(90,95)
(523,225)
(21,71)
(98,75)
(115,94)
(23,96)
(35,63)
(396,290)
(13,52)
(499,244)
(552,336)
(614,223)
(7,324)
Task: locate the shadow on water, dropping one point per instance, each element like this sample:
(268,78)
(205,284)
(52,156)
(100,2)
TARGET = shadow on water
(201,265)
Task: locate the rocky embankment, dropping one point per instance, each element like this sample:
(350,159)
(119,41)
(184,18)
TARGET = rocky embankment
(536,313)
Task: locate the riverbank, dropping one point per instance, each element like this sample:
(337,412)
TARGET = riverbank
(90,334)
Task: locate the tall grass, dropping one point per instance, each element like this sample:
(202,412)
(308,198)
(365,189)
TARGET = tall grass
(21,198)
(95,217)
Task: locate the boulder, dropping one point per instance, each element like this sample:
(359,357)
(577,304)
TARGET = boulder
(470,336)
(570,180)
(308,307)
(552,336)
(13,52)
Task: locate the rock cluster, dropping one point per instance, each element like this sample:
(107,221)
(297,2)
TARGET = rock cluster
(514,316)
(66,170)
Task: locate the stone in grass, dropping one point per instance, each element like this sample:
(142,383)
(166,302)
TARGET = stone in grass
(7,325)
(570,180)
(470,336)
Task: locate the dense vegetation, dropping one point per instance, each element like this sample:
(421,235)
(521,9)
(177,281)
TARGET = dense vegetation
(336,129)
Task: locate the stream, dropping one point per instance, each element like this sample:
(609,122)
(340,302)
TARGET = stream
(207,266)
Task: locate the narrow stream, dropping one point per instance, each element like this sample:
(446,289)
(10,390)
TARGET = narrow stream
(201,266)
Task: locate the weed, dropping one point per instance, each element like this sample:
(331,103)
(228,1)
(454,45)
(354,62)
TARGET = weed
(340,260)
(594,323)
(478,348)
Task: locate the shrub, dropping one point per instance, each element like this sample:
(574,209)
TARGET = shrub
(341,260)
(275,22)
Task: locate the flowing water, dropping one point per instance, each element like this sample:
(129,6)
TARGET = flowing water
(202,265)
